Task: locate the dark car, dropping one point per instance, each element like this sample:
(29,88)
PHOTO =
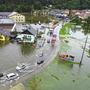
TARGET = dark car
(1,75)
(40,62)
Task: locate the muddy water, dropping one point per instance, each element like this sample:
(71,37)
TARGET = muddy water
(13,53)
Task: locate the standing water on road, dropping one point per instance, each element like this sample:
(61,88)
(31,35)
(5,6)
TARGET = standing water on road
(12,53)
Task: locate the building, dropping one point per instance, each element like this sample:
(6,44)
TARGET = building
(25,29)
(26,38)
(19,18)
(83,14)
(6,27)
(29,30)
(7,24)
(4,15)
(39,27)
(27,34)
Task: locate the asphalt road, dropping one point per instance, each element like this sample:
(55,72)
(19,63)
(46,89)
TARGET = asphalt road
(49,55)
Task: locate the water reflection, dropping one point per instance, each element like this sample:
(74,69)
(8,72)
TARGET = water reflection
(2,44)
(26,49)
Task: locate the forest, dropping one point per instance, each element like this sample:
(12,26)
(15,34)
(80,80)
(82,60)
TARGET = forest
(29,5)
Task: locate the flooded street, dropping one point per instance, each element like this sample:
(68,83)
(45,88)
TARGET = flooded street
(12,53)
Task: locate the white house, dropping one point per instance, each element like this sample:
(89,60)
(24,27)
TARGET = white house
(27,38)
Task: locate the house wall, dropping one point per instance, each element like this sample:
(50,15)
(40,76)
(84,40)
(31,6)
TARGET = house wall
(18,18)
(7,26)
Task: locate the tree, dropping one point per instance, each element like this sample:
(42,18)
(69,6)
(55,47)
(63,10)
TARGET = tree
(86,26)
(76,20)
(39,4)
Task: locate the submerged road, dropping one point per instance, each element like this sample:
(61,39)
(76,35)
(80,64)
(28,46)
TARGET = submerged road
(49,55)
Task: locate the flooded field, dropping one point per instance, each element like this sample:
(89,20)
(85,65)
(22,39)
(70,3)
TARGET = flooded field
(65,76)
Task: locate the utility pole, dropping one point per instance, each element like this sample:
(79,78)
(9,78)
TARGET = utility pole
(83,50)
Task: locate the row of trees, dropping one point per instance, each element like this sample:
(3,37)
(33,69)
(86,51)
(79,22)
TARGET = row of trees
(28,5)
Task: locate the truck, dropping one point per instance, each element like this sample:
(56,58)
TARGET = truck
(53,40)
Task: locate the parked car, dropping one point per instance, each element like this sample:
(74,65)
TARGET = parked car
(12,76)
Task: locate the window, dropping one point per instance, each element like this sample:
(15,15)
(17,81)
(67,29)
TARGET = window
(16,19)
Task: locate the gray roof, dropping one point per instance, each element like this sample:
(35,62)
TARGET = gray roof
(6,21)
(38,26)
(31,30)
(5,13)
